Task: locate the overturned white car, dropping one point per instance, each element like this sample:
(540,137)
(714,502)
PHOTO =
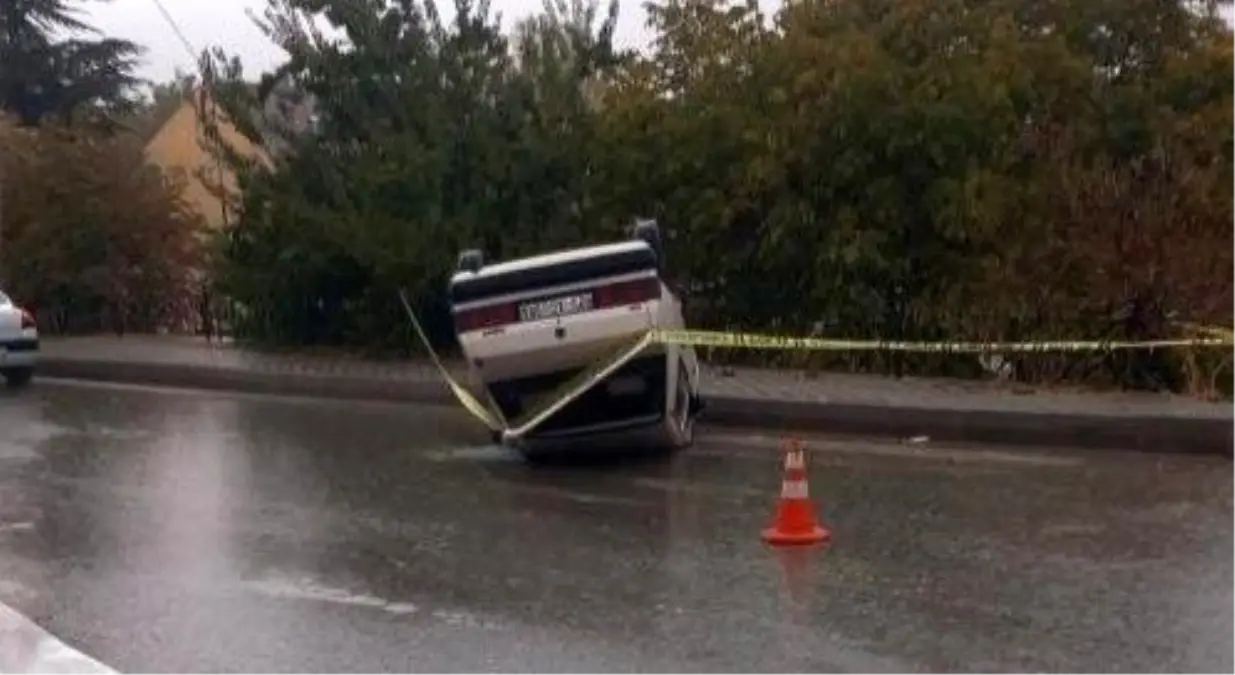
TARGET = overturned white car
(534,329)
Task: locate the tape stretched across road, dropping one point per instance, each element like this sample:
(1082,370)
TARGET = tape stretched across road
(477,409)
(703,338)
(491,416)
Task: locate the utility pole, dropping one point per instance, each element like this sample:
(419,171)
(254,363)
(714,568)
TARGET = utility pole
(3,162)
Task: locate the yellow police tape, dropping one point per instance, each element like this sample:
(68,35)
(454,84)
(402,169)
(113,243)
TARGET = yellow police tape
(577,386)
(478,410)
(490,415)
(1215,332)
(703,338)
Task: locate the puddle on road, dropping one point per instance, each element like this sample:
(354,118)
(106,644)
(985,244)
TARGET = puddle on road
(482,453)
(696,486)
(527,483)
(17,451)
(461,619)
(14,592)
(571,495)
(21,441)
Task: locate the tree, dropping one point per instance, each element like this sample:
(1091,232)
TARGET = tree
(433,136)
(94,237)
(157,104)
(912,169)
(52,65)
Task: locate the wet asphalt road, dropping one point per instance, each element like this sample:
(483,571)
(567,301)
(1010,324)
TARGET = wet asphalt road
(174,531)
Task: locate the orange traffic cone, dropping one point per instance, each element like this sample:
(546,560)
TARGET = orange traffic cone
(795,523)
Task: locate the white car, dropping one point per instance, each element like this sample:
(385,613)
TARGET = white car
(529,326)
(19,343)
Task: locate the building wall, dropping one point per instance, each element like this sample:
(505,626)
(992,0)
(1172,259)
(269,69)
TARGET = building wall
(177,147)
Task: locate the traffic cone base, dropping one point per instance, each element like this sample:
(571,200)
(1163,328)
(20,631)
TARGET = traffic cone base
(815,535)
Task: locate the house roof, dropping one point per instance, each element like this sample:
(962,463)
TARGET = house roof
(157,120)
(283,109)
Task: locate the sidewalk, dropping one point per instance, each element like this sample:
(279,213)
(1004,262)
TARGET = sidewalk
(956,410)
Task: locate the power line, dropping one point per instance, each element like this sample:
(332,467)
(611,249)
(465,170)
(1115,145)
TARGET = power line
(204,83)
(171,21)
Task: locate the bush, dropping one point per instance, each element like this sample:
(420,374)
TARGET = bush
(945,170)
(93,237)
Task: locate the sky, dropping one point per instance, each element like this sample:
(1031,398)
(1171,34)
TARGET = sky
(223,23)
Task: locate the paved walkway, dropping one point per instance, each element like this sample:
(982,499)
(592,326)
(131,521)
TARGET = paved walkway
(958,409)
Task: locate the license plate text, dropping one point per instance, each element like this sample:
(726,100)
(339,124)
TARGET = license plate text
(555,307)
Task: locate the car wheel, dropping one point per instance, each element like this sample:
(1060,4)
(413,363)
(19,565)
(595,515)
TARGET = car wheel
(649,231)
(17,377)
(471,260)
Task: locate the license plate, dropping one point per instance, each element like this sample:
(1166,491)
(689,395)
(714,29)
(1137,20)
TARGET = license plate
(555,307)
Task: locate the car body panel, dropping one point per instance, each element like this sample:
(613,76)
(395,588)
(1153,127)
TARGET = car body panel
(19,346)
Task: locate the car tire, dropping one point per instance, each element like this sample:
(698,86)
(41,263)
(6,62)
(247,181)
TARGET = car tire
(471,260)
(649,232)
(16,378)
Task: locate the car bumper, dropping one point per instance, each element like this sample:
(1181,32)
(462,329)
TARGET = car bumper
(19,353)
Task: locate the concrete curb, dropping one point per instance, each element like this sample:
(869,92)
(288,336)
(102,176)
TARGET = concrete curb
(1097,432)
(1164,433)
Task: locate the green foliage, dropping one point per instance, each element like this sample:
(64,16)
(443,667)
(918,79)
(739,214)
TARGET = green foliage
(917,169)
(94,238)
(50,69)
(161,101)
(433,137)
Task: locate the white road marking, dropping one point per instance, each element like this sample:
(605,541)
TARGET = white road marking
(304,588)
(27,648)
(308,589)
